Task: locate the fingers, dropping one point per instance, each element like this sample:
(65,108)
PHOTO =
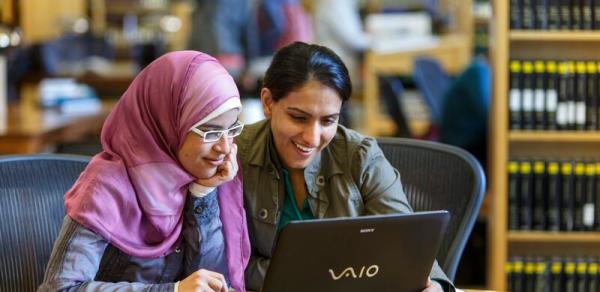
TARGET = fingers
(215,281)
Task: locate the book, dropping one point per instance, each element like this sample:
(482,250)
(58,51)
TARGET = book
(527,96)
(562,108)
(581,275)
(539,103)
(540,198)
(526,193)
(586,14)
(567,194)
(514,186)
(556,268)
(551,102)
(516,14)
(554,196)
(554,14)
(589,208)
(528,14)
(579,195)
(580,95)
(591,102)
(571,96)
(514,95)
(541,14)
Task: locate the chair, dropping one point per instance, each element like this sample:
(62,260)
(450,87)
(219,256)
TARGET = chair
(432,81)
(32,211)
(437,176)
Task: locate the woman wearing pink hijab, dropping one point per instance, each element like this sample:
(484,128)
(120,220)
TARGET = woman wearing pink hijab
(161,207)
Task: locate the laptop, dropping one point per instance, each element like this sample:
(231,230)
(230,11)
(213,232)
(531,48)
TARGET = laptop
(370,253)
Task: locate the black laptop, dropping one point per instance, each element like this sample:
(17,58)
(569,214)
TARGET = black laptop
(371,253)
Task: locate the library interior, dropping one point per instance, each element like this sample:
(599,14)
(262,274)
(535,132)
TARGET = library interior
(489,109)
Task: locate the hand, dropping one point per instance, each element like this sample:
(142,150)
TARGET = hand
(432,286)
(225,172)
(203,281)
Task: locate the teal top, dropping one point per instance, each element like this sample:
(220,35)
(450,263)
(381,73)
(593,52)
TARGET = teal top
(290,208)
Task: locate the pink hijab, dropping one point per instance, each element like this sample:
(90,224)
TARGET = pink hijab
(133,193)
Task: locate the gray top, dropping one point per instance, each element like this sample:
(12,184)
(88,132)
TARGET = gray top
(83,260)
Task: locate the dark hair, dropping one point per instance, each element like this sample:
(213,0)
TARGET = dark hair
(298,63)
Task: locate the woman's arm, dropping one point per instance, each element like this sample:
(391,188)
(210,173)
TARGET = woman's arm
(75,260)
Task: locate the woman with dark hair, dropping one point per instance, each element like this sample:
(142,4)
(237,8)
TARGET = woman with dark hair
(161,207)
(300,164)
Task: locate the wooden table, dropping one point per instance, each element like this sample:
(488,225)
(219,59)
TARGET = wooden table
(27,128)
(452,51)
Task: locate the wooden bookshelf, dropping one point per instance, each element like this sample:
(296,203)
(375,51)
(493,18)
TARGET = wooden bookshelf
(543,237)
(555,36)
(553,136)
(505,144)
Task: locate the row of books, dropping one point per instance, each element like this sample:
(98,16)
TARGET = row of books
(554,95)
(553,195)
(555,14)
(529,274)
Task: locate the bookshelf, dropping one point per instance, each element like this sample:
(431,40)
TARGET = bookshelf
(504,143)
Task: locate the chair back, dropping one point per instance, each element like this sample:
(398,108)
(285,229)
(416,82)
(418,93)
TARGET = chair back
(432,81)
(437,176)
(31,213)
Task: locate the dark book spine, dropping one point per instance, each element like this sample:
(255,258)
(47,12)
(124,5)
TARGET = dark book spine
(589,218)
(582,277)
(587,15)
(568,189)
(571,96)
(593,275)
(528,14)
(540,198)
(580,95)
(540,95)
(570,275)
(579,196)
(542,271)
(527,95)
(562,110)
(542,14)
(597,198)
(554,196)
(591,102)
(526,195)
(514,187)
(565,15)
(576,16)
(557,275)
(509,270)
(596,13)
(516,14)
(515,95)
(551,103)
(554,14)
(530,276)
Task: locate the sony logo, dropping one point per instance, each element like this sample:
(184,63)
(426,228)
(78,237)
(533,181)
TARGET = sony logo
(367,230)
(349,272)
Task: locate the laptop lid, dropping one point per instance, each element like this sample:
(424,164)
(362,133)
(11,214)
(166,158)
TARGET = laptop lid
(370,253)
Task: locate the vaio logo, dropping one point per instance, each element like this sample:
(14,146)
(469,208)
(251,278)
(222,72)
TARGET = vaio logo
(349,272)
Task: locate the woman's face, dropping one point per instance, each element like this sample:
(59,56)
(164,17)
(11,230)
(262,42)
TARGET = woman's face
(201,159)
(303,122)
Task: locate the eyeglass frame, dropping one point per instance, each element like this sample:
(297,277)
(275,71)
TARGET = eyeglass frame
(221,132)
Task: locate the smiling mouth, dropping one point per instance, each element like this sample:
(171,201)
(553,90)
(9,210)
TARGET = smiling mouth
(304,149)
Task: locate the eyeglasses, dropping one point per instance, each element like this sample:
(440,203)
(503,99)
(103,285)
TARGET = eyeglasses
(213,136)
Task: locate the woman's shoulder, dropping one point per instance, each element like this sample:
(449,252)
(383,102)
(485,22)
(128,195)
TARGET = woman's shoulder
(353,145)
(253,135)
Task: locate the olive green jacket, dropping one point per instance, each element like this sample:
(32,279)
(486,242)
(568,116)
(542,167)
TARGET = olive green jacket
(348,178)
